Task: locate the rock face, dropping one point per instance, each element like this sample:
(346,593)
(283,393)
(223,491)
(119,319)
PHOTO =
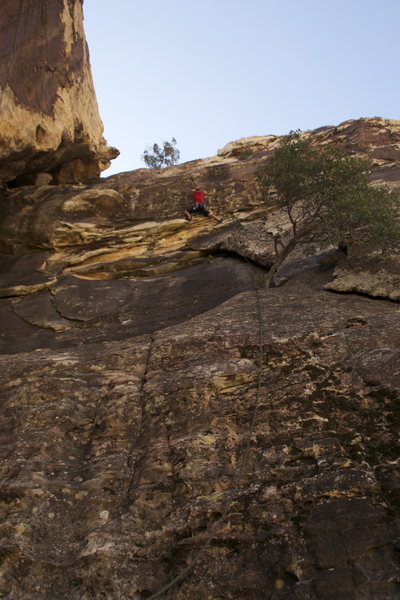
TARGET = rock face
(157,407)
(49,119)
(230,179)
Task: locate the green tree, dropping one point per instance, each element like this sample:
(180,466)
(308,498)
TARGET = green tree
(327,198)
(157,157)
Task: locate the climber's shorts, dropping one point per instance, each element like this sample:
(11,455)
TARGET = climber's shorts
(199,208)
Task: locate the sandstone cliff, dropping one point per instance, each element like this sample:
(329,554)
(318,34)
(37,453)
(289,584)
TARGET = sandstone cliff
(136,353)
(49,119)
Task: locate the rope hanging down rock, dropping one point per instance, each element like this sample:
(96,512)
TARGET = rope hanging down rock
(235,489)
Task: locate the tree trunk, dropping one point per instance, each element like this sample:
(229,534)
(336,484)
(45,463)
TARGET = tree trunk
(271,273)
(282,256)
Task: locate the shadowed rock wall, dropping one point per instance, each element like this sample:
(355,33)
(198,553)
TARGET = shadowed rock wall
(49,119)
(133,352)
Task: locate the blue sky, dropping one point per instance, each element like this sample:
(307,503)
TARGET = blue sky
(212,71)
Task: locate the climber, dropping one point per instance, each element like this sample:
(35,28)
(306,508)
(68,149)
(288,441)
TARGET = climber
(199,207)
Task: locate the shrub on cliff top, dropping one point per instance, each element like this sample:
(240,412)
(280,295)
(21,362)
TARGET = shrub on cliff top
(158,157)
(327,198)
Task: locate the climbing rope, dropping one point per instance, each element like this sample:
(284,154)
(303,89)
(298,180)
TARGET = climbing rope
(235,489)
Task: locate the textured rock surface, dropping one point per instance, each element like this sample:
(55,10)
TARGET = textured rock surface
(229,177)
(49,119)
(375,275)
(134,352)
(119,455)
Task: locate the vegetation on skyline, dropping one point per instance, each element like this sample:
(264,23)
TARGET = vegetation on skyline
(159,157)
(327,198)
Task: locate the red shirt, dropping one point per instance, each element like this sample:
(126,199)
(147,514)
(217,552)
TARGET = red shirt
(198,196)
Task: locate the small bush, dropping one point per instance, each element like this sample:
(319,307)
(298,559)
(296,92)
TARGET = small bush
(157,157)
